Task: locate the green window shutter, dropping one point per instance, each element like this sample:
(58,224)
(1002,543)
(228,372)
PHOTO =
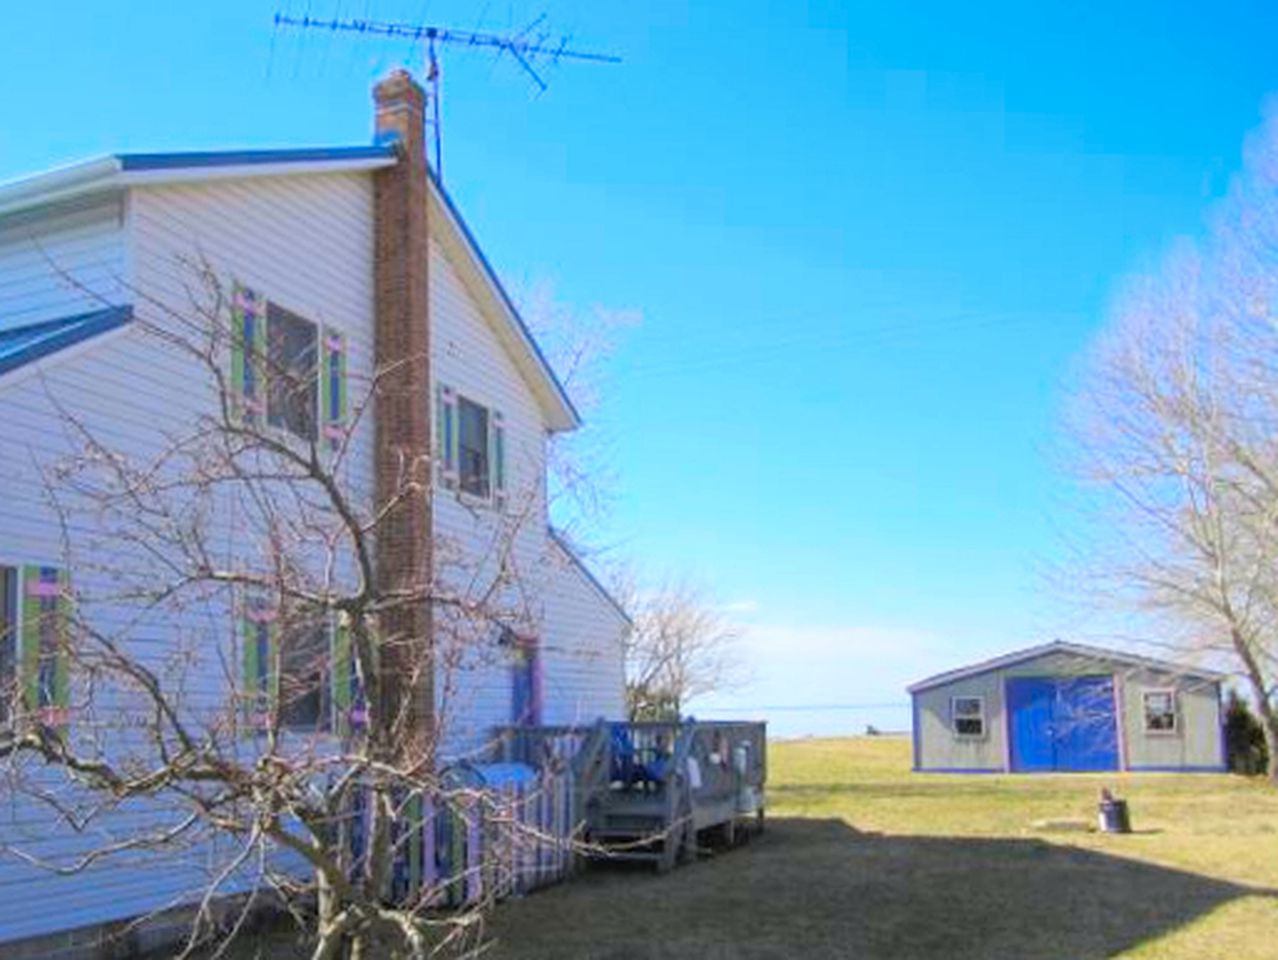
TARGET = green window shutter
(62,676)
(248,349)
(333,389)
(343,677)
(497,457)
(448,436)
(415,843)
(249,680)
(45,658)
(260,637)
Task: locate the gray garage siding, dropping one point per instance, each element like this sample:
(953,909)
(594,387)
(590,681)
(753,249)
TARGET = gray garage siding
(1195,745)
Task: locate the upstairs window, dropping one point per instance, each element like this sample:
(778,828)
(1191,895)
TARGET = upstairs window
(1160,711)
(292,373)
(473,442)
(286,372)
(969,716)
(8,643)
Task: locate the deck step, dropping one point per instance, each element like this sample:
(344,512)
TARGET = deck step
(638,856)
(624,802)
(607,832)
(634,825)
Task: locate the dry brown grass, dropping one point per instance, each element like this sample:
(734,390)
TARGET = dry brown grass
(865,859)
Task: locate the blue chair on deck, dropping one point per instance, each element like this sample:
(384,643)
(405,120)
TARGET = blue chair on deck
(629,768)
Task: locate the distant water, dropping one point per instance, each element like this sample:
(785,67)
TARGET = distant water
(815,720)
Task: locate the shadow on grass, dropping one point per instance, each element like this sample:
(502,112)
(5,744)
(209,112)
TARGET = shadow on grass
(818,888)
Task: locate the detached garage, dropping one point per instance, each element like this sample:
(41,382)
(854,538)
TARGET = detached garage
(1068,707)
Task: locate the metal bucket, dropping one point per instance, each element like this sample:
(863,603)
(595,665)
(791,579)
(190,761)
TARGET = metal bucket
(1114,816)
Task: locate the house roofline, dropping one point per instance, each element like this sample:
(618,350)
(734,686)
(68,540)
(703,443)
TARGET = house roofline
(571,552)
(47,337)
(130,169)
(1060,646)
(124,170)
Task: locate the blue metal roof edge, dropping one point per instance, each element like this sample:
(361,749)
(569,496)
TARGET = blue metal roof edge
(132,162)
(63,332)
(580,564)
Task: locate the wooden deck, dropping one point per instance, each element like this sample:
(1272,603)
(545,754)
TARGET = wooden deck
(653,791)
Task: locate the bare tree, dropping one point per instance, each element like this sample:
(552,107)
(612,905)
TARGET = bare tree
(579,345)
(1177,432)
(681,647)
(249,703)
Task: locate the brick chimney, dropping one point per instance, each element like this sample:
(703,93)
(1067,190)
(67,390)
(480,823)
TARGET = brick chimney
(402,402)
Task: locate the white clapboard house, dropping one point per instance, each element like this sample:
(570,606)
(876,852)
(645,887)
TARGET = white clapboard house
(318,246)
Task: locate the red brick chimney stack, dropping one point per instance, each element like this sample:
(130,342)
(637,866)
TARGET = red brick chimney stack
(402,402)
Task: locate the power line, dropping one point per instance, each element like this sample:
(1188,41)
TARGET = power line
(769,352)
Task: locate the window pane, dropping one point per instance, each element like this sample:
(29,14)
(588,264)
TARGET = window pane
(292,374)
(304,674)
(969,726)
(474,447)
(8,641)
(967,706)
(1160,711)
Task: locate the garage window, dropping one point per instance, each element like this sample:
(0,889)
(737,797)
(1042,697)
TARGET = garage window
(968,715)
(1160,711)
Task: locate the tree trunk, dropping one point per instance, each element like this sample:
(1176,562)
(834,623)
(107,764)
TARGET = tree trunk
(1268,723)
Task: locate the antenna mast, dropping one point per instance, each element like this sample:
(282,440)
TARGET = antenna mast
(529,48)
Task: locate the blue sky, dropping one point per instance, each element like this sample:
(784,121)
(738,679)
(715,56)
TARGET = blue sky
(868,242)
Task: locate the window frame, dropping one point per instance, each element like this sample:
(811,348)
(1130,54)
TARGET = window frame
(462,402)
(326,720)
(275,309)
(1173,712)
(979,716)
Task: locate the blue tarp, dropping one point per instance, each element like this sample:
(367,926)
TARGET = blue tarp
(504,774)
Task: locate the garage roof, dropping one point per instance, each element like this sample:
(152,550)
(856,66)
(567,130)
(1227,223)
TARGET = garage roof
(1072,649)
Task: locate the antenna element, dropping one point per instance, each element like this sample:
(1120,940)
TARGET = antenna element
(528,48)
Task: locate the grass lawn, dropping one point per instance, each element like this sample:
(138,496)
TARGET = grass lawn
(864,859)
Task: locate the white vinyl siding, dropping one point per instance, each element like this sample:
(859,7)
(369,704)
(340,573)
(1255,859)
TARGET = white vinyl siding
(582,654)
(305,242)
(466,355)
(60,262)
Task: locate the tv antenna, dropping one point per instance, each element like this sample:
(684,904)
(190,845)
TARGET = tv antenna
(529,47)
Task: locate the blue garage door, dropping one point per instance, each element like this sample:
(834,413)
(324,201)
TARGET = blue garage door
(1062,723)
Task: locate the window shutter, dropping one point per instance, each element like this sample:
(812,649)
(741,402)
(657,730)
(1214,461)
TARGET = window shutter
(46,617)
(343,677)
(248,348)
(449,436)
(497,457)
(333,391)
(260,633)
